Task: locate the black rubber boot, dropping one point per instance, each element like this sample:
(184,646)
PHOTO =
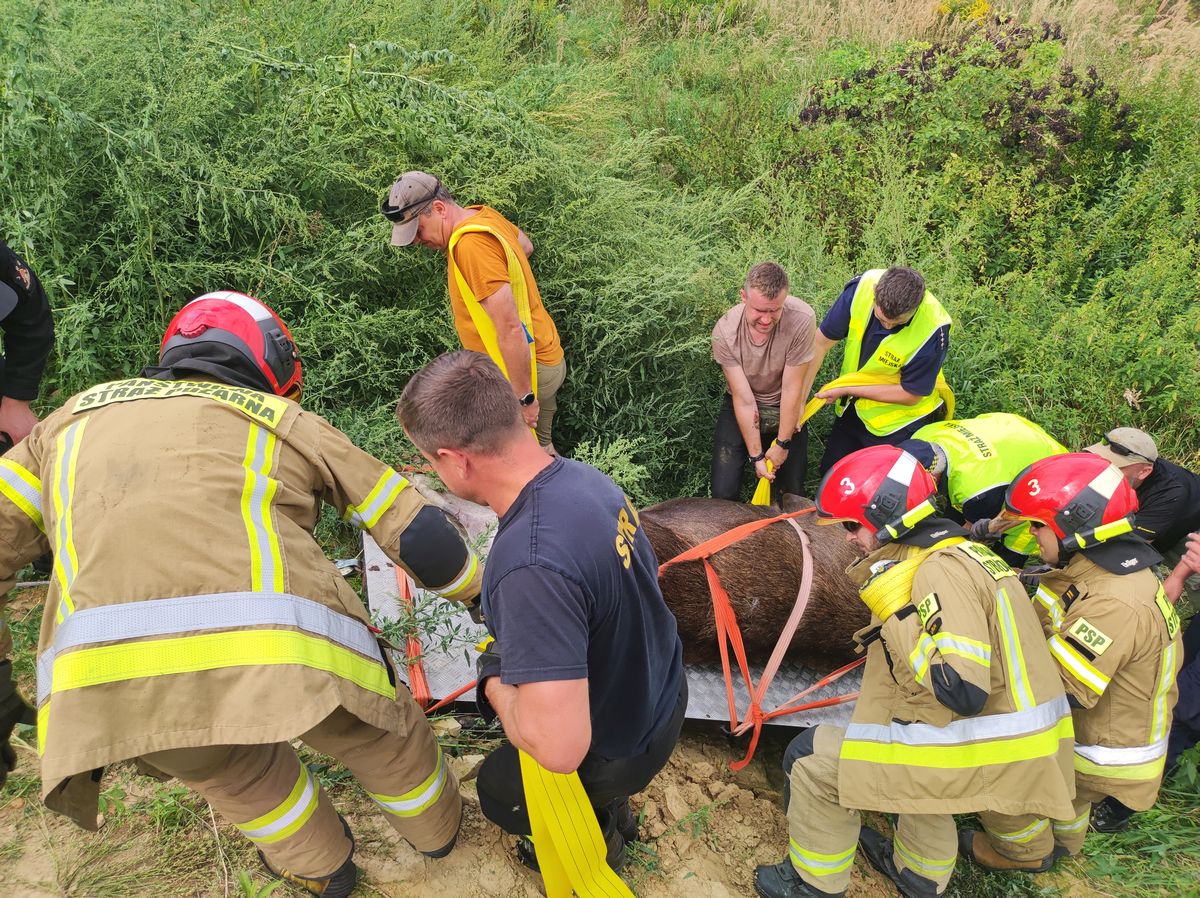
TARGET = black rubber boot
(616,855)
(625,821)
(879,852)
(338,884)
(1110,816)
(782,881)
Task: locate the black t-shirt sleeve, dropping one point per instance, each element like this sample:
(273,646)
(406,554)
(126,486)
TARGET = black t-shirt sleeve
(28,329)
(540,620)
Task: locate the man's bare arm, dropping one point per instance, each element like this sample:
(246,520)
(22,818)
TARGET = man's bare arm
(892,393)
(501,308)
(550,721)
(525,242)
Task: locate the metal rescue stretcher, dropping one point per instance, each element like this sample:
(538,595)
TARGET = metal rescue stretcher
(448,650)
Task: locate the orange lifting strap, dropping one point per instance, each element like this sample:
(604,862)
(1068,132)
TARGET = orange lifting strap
(728,635)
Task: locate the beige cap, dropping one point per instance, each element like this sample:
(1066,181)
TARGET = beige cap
(1125,446)
(407,199)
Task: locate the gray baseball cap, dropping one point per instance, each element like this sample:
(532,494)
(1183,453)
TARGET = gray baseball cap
(1125,446)
(408,198)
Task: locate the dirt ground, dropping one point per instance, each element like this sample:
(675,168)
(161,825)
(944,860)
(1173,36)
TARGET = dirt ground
(705,829)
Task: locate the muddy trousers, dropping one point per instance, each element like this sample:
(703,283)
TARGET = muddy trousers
(729,456)
(823,835)
(1030,838)
(277,803)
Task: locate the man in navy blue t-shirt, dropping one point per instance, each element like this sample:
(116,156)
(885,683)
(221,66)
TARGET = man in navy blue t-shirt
(894,327)
(586,672)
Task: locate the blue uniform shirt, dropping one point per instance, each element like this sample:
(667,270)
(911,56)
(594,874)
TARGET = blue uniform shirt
(571,591)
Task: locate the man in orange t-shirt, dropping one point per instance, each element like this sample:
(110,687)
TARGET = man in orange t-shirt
(493,295)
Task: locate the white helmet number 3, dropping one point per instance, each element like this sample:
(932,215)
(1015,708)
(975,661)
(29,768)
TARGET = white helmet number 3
(1034,487)
(848,486)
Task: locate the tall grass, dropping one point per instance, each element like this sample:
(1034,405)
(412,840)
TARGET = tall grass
(150,151)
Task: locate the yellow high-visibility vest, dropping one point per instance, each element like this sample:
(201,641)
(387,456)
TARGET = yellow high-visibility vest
(479,317)
(988,451)
(892,354)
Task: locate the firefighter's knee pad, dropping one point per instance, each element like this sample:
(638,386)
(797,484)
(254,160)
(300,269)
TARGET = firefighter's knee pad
(800,747)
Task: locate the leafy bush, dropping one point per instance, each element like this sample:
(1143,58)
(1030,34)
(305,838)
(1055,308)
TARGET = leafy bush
(152,151)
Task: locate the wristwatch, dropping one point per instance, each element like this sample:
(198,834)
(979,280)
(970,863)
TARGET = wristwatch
(785,445)
(528,399)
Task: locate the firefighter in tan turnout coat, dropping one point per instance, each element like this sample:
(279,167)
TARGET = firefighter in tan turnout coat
(1115,638)
(961,708)
(193,622)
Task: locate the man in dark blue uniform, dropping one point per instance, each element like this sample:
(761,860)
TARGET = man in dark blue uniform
(28,339)
(892,325)
(586,671)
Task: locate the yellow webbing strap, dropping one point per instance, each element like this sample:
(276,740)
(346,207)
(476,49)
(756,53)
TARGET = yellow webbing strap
(570,847)
(892,590)
(762,492)
(479,317)
(859,379)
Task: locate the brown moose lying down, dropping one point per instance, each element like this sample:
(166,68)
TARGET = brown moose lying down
(762,576)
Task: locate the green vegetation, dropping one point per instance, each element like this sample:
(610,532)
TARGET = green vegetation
(1046,184)
(1044,177)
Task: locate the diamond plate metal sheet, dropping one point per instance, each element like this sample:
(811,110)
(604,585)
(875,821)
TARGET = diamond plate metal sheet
(450,668)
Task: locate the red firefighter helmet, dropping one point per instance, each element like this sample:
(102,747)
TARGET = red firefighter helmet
(881,487)
(1080,496)
(225,333)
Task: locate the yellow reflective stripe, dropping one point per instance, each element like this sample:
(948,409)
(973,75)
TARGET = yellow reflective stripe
(266,561)
(1019,679)
(209,651)
(1147,771)
(1076,825)
(420,799)
(23,489)
(1113,528)
(976,754)
(1166,678)
(1028,834)
(463,581)
(382,497)
(818,864)
(1077,665)
(1052,604)
(43,720)
(66,563)
(919,659)
(930,868)
(287,818)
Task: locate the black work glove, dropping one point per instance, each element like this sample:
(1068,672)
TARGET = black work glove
(476,611)
(487,665)
(13,710)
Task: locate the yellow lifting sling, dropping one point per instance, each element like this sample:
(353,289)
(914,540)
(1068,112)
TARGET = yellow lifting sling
(479,317)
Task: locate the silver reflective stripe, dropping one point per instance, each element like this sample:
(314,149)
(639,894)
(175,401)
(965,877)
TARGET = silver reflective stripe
(969,729)
(265,561)
(410,807)
(1022,694)
(65,561)
(189,614)
(947,643)
(30,492)
(290,815)
(1115,757)
(380,499)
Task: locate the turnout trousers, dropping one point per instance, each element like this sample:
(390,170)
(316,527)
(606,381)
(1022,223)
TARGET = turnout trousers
(823,835)
(1030,838)
(278,804)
